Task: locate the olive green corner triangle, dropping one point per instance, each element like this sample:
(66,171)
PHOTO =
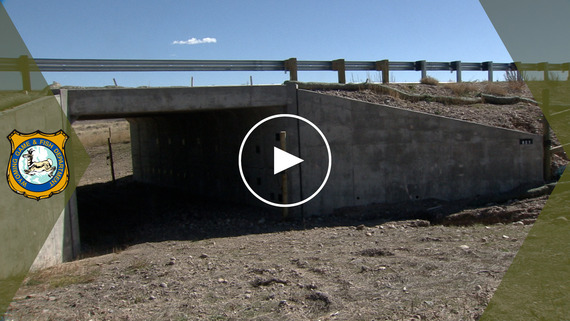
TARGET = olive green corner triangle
(26,223)
(537,284)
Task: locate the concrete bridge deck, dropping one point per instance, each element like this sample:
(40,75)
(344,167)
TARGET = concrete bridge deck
(134,102)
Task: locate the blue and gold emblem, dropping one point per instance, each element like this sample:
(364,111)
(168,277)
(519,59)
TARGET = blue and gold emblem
(38,167)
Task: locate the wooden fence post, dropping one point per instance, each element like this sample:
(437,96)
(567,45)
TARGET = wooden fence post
(291,66)
(421,65)
(339,66)
(384,66)
(457,66)
(110,157)
(24,67)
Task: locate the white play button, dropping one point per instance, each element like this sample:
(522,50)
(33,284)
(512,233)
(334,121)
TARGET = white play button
(283,160)
(258,171)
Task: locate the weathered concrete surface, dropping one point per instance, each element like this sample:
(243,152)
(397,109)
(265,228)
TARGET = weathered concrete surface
(123,103)
(63,243)
(383,154)
(27,226)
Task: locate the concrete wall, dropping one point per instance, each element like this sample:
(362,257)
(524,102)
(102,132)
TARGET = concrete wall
(63,243)
(26,225)
(383,155)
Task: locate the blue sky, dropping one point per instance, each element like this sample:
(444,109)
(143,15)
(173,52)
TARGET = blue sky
(439,30)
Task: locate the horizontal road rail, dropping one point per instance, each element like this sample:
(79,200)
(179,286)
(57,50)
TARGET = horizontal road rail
(25,65)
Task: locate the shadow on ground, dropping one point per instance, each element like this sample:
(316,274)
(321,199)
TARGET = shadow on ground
(114,216)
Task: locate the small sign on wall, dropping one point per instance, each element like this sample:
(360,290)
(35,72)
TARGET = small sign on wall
(525,141)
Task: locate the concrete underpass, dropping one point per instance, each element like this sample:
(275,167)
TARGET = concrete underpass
(189,138)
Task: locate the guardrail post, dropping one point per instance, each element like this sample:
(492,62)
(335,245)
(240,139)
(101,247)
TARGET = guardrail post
(457,66)
(488,65)
(546,141)
(24,67)
(384,66)
(514,67)
(566,67)
(544,67)
(338,65)
(291,66)
(421,65)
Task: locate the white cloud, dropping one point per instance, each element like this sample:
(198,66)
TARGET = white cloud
(194,41)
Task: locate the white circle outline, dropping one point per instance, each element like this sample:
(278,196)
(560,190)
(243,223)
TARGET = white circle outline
(241,152)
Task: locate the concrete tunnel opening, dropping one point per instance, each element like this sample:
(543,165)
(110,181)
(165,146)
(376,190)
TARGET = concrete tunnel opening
(113,215)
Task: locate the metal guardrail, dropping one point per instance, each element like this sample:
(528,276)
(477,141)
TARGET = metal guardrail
(25,65)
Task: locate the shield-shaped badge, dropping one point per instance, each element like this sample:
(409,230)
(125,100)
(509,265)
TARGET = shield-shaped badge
(38,167)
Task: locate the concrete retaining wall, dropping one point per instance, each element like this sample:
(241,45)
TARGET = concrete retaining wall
(62,243)
(28,227)
(383,154)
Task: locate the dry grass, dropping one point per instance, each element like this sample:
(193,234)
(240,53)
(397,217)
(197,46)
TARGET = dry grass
(514,81)
(495,89)
(511,76)
(62,276)
(462,88)
(95,133)
(136,265)
(516,85)
(427,80)
(10,99)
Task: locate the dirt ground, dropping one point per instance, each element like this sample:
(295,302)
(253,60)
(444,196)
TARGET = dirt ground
(153,254)
(394,271)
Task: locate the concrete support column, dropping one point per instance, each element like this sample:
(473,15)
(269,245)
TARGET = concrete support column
(295,183)
(135,148)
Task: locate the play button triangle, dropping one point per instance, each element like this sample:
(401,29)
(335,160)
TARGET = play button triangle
(283,160)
